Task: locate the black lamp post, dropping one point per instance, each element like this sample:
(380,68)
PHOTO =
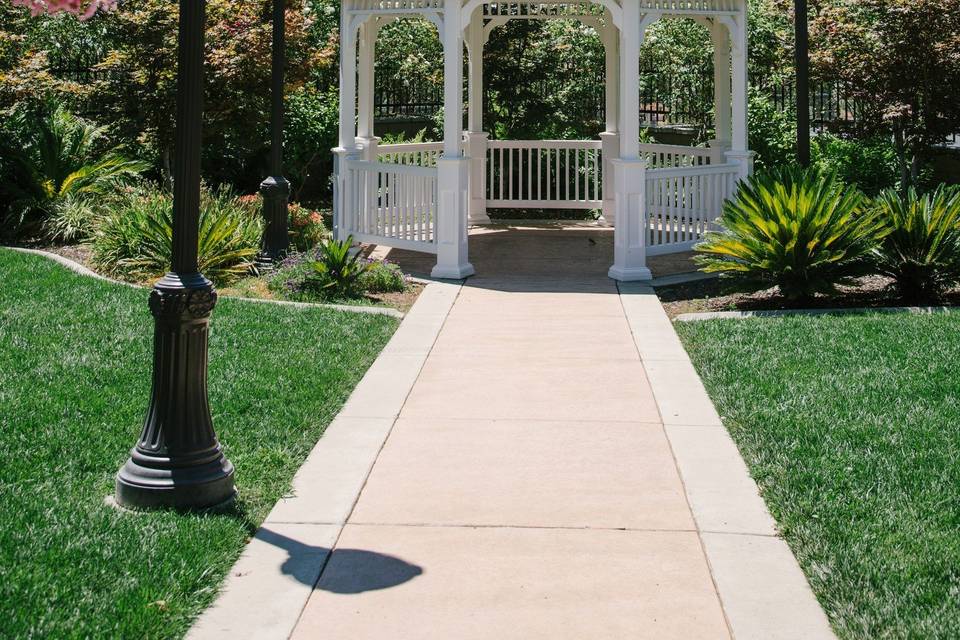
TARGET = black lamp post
(178,461)
(803,81)
(275,189)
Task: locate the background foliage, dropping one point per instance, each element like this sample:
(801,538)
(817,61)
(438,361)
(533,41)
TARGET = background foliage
(899,60)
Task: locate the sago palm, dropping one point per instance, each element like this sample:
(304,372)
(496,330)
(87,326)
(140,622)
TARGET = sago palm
(58,157)
(921,250)
(136,238)
(798,229)
(337,272)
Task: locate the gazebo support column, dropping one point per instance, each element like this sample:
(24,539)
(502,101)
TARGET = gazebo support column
(629,170)
(452,168)
(610,138)
(475,137)
(721,82)
(346,149)
(366,138)
(739,152)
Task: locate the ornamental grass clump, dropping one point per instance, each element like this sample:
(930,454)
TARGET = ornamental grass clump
(921,249)
(135,239)
(798,229)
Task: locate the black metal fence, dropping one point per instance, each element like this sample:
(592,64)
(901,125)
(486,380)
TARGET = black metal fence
(413,98)
(831,102)
(666,96)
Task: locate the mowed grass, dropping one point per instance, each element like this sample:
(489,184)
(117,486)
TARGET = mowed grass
(75,362)
(851,427)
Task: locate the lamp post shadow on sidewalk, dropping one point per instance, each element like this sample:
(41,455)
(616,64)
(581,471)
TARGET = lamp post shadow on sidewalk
(275,189)
(178,461)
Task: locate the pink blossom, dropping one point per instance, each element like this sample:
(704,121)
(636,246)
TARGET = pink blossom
(83,9)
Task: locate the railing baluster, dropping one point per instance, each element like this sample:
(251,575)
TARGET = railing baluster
(500,195)
(576,173)
(557,174)
(529,189)
(539,174)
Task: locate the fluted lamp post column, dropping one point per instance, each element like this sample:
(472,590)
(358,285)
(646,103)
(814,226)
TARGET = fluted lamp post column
(275,189)
(178,461)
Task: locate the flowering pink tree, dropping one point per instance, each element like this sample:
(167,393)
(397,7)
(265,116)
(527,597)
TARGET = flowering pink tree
(84,9)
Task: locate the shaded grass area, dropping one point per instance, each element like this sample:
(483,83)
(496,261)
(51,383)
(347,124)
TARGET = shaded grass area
(75,361)
(851,427)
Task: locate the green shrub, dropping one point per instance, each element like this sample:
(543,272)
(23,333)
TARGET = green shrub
(311,129)
(306,228)
(383,277)
(773,133)
(921,250)
(801,230)
(337,271)
(135,238)
(56,156)
(871,164)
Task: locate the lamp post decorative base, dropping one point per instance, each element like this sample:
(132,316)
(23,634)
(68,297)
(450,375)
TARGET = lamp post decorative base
(178,461)
(276,195)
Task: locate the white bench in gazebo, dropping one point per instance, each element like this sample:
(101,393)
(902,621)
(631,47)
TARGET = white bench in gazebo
(423,196)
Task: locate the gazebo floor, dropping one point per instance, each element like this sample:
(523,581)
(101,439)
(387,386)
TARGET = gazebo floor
(582,251)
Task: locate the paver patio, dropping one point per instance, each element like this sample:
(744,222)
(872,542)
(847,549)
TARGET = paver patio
(528,487)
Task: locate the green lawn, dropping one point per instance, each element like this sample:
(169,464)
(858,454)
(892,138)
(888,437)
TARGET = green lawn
(851,426)
(75,358)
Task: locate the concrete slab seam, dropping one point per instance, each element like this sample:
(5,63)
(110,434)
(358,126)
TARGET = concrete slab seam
(789,568)
(200,630)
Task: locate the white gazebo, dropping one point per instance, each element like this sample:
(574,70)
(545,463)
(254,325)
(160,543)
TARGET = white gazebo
(660,198)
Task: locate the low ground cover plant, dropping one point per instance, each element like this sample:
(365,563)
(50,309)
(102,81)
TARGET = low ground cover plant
(799,229)
(310,276)
(134,238)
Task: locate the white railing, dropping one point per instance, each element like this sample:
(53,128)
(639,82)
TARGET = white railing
(394,201)
(390,204)
(555,174)
(683,204)
(663,156)
(418,154)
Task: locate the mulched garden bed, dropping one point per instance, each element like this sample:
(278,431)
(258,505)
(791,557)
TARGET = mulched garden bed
(714,295)
(252,287)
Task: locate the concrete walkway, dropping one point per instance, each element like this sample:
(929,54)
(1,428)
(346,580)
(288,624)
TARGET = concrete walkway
(536,459)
